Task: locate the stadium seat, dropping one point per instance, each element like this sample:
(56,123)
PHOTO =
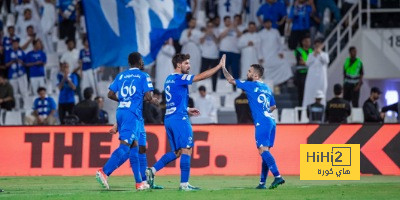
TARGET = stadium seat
(357,115)
(223,86)
(303,115)
(28,102)
(226,116)
(13,118)
(61,47)
(201,120)
(275,114)
(287,116)
(229,101)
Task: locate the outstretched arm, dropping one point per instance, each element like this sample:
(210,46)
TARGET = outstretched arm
(228,76)
(111,95)
(208,73)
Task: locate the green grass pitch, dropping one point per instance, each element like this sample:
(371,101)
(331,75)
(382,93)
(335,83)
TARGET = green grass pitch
(213,187)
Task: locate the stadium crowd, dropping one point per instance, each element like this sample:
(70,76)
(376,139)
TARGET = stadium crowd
(285,36)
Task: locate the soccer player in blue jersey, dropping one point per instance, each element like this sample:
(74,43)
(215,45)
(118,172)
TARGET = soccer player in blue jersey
(177,124)
(262,103)
(132,86)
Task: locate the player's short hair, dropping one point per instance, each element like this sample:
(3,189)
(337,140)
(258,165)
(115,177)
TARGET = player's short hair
(259,69)
(41,89)
(179,58)
(226,17)
(134,59)
(98,98)
(337,89)
(319,40)
(35,41)
(252,23)
(30,26)
(70,40)
(238,15)
(88,92)
(352,48)
(202,88)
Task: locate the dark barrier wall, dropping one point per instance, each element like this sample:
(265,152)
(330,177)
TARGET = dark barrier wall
(219,149)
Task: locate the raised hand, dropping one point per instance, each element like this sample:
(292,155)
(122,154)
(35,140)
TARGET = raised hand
(193,112)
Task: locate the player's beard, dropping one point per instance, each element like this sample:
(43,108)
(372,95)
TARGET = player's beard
(249,79)
(185,71)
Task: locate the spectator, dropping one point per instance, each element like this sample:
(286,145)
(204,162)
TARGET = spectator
(249,45)
(6,94)
(216,21)
(317,75)
(35,61)
(44,108)
(22,25)
(315,111)
(71,56)
(26,43)
(151,112)
(16,70)
(271,55)
(85,64)
(272,10)
(3,69)
(190,41)
(393,107)
(230,8)
(251,11)
(370,107)
(21,6)
(205,103)
(164,65)
(242,108)
(228,36)
(7,6)
(87,110)
(67,85)
(103,115)
(238,21)
(301,53)
(209,51)
(353,75)
(300,16)
(331,5)
(211,8)
(67,16)
(337,109)
(7,40)
(47,23)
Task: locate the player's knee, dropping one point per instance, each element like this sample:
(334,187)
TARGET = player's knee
(142,149)
(178,153)
(187,151)
(262,149)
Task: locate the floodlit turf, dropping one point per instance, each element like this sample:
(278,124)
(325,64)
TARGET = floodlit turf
(213,187)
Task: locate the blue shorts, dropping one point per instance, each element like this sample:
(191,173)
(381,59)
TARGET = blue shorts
(142,133)
(127,126)
(265,133)
(179,132)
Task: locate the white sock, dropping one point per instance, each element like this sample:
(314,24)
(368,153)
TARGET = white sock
(153,170)
(184,184)
(278,176)
(262,183)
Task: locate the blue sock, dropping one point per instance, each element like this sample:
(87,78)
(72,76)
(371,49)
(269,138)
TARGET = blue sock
(264,172)
(269,159)
(185,168)
(165,159)
(134,160)
(114,162)
(143,165)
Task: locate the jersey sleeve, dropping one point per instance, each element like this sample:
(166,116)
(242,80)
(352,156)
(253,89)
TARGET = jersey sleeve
(147,85)
(244,85)
(185,79)
(114,85)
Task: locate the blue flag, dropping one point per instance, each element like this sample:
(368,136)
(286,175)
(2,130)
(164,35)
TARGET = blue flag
(117,28)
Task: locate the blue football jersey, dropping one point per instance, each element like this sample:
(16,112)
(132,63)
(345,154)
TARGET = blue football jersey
(260,99)
(177,94)
(131,85)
